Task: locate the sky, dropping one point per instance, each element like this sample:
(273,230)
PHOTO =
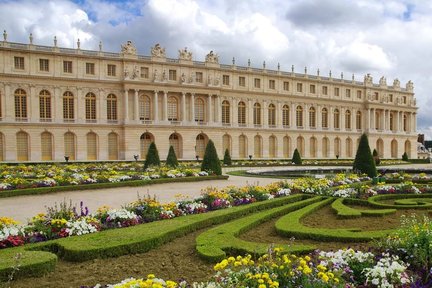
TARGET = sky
(390,38)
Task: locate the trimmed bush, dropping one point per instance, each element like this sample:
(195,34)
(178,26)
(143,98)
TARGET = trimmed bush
(364,162)
(171,158)
(296,159)
(227,158)
(416,201)
(152,158)
(211,162)
(405,157)
(344,211)
(376,157)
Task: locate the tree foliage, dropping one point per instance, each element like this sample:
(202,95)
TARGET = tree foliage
(227,158)
(152,158)
(405,157)
(364,161)
(211,162)
(376,157)
(296,159)
(171,160)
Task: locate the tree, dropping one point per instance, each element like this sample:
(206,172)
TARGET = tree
(227,158)
(364,162)
(296,159)
(171,158)
(405,157)
(152,158)
(376,157)
(211,162)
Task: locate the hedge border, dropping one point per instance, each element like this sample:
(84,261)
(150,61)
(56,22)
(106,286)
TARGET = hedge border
(55,189)
(344,211)
(213,244)
(373,201)
(290,225)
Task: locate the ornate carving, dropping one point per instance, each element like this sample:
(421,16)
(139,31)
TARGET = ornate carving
(212,57)
(164,76)
(396,83)
(410,86)
(158,51)
(131,74)
(184,54)
(128,48)
(368,79)
(383,81)
(183,78)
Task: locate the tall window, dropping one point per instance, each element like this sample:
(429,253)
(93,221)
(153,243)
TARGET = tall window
(90,68)
(272,84)
(145,140)
(336,91)
(90,107)
(67,66)
(299,116)
(312,89)
(336,116)
(225,112)
(68,106)
(20,104)
(44,65)
(111,69)
(312,117)
(272,115)
(174,140)
(112,107)
(225,80)
(285,115)
(242,81)
(19,63)
(324,118)
(91,146)
(359,94)
(359,120)
(391,121)
(199,77)
(324,90)
(348,93)
(69,142)
(172,109)
(347,119)
(172,75)
(286,86)
(241,113)
(242,146)
(144,108)
(200,145)
(199,110)
(112,146)
(0,110)
(144,73)
(299,87)
(257,114)
(44,105)
(405,123)
(257,83)
(22,146)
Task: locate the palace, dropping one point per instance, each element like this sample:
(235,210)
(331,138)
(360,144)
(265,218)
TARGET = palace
(95,105)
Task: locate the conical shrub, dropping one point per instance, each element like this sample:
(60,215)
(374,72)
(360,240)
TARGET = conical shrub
(152,158)
(364,162)
(171,160)
(211,162)
(296,159)
(227,158)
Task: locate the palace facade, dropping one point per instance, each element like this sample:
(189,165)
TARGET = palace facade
(96,105)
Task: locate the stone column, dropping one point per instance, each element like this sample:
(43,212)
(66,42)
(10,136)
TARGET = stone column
(183,108)
(32,108)
(234,114)
(8,114)
(57,110)
(318,119)
(306,119)
(80,111)
(136,105)
(293,122)
(331,119)
(192,117)
(209,108)
(414,122)
(125,105)
(250,122)
(156,107)
(279,115)
(101,114)
(342,119)
(165,106)
(218,108)
(264,114)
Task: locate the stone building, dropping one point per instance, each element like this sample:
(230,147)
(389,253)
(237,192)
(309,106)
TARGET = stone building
(96,105)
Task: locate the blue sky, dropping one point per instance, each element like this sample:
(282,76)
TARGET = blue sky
(390,38)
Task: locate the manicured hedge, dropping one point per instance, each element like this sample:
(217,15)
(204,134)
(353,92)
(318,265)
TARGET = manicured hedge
(212,244)
(290,225)
(374,201)
(343,211)
(46,190)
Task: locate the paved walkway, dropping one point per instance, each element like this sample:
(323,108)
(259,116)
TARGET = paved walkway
(23,207)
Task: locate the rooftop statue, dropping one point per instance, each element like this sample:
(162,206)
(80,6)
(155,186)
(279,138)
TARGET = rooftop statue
(158,51)
(128,48)
(184,54)
(212,57)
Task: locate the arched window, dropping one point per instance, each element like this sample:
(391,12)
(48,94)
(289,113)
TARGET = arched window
(377,120)
(324,118)
(90,107)
(347,119)
(408,148)
(272,115)
(405,123)
(226,143)
(336,115)
(112,107)
(299,116)
(46,146)
(68,106)
(394,149)
(175,141)
(359,120)
(380,147)
(44,106)
(337,147)
(145,140)
(144,108)
(301,145)
(349,148)
(287,147)
(20,105)
(172,109)
(241,113)
(325,147)
(312,117)
(226,119)
(285,116)
(69,142)
(91,146)
(313,147)
(258,146)
(257,114)
(201,142)
(199,110)
(22,146)
(112,146)
(2,147)
(242,146)
(272,147)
